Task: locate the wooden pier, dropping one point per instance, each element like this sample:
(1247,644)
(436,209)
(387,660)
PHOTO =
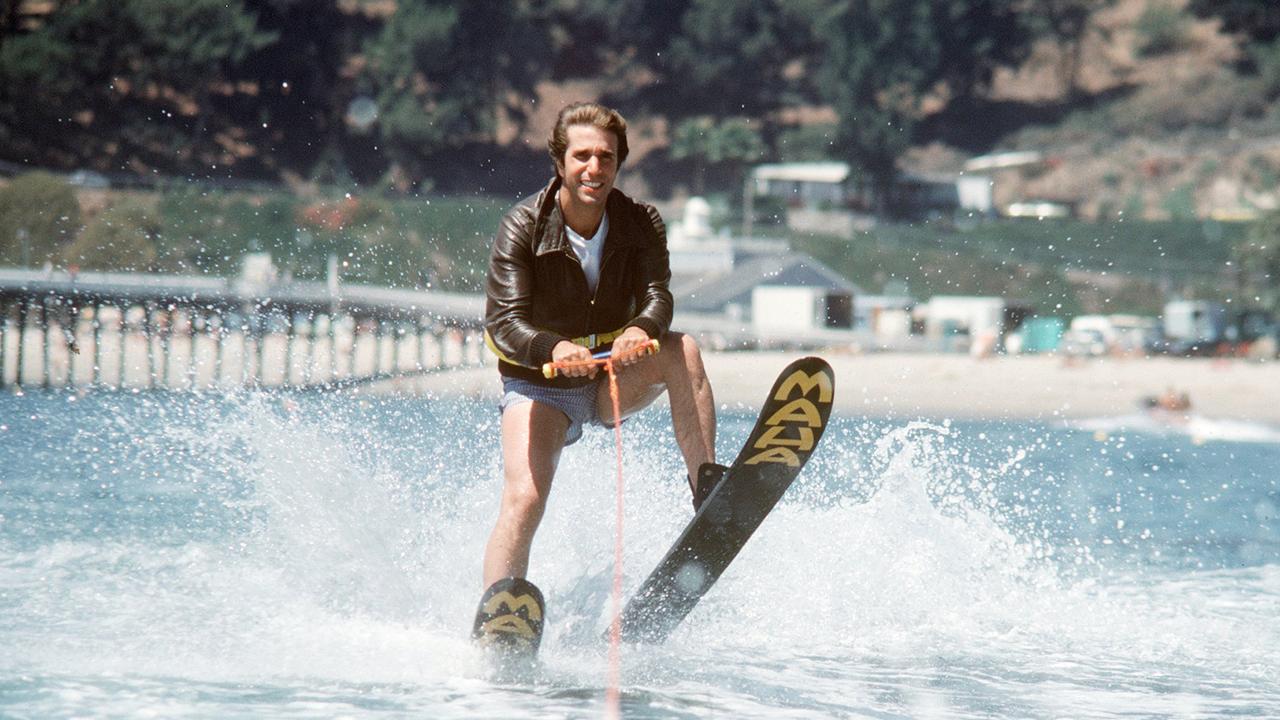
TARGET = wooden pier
(126,331)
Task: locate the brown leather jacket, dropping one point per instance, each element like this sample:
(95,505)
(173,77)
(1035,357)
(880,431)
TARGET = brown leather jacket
(537,292)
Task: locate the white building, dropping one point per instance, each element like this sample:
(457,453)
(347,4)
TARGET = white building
(830,198)
(808,184)
(966,322)
(888,317)
(771,298)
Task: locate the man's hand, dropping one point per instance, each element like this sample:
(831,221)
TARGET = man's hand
(567,352)
(626,347)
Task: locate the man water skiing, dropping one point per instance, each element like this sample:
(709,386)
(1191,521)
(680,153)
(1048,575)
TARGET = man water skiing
(579,268)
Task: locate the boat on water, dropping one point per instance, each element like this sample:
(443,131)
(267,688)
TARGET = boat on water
(1171,405)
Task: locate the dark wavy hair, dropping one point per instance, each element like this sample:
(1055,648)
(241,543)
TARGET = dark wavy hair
(586,113)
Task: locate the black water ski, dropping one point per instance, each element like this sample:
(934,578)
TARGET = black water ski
(788,429)
(509,621)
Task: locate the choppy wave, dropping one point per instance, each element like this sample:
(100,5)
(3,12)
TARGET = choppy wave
(1196,427)
(316,557)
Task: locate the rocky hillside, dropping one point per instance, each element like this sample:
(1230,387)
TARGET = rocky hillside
(1154,119)
(1165,132)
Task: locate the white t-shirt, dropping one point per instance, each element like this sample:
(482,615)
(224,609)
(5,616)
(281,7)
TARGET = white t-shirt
(589,251)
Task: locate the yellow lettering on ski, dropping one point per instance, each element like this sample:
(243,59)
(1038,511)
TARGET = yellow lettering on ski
(775,455)
(800,410)
(772,438)
(799,415)
(805,382)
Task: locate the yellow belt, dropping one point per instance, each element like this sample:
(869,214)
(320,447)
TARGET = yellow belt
(587,341)
(597,339)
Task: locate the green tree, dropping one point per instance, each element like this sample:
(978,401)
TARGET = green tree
(590,36)
(441,71)
(11,17)
(881,58)
(1161,28)
(39,214)
(710,144)
(739,57)
(306,114)
(107,82)
(1266,60)
(975,38)
(876,67)
(693,58)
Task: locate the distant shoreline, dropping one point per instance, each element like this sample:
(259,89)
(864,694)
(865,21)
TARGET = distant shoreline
(908,385)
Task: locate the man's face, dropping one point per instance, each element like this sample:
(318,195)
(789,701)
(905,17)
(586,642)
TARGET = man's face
(589,166)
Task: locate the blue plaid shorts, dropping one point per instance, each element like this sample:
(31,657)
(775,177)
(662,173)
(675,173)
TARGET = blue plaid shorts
(578,404)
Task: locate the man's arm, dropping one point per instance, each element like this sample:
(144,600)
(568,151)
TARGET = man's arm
(509,294)
(654,302)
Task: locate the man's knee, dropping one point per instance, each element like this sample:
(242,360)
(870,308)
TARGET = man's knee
(683,349)
(689,346)
(685,360)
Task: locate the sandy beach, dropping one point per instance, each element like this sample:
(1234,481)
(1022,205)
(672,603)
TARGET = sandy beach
(899,385)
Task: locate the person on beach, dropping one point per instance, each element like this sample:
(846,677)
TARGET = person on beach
(577,268)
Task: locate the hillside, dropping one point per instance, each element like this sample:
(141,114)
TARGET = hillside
(1174,133)
(1157,135)
(1148,111)
(1150,124)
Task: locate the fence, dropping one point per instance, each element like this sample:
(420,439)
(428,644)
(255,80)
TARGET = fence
(136,331)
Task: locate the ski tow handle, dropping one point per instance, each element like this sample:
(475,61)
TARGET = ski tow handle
(552,369)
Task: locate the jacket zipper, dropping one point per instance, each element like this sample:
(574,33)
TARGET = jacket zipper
(573,258)
(591,307)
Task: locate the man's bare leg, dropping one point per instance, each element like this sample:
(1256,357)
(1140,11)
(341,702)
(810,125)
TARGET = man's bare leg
(677,368)
(533,435)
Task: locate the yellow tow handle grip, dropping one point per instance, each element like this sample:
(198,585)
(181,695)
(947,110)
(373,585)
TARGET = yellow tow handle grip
(551,369)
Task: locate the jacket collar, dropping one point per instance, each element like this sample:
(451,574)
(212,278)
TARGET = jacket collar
(549,227)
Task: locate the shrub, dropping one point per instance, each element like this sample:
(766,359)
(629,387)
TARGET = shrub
(122,237)
(1134,207)
(213,230)
(1180,203)
(39,215)
(1262,174)
(807,143)
(1258,255)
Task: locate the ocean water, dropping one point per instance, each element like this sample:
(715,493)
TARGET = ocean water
(318,555)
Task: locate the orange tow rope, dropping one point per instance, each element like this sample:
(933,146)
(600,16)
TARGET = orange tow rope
(613,695)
